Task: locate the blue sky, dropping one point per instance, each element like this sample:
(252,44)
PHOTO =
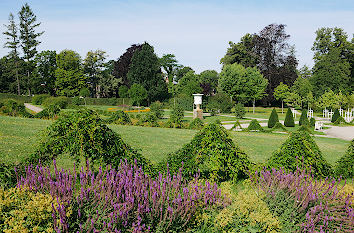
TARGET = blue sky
(197,32)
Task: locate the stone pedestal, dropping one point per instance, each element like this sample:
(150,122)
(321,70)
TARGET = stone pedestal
(198,113)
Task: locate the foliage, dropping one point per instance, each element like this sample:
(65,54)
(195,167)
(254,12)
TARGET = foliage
(157,109)
(148,119)
(213,153)
(335,116)
(82,135)
(45,67)
(328,100)
(48,113)
(273,118)
(240,111)
(183,101)
(197,123)
(145,70)
(38,99)
(138,93)
(22,210)
(123,91)
(281,92)
(303,118)
(289,119)
(12,107)
(304,204)
(255,126)
(169,63)
(340,121)
(93,66)
(345,165)
(125,200)
(208,80)
(279,126)
(84,92)
(237,125)
(119,117)
(189,84)
(7,176)
(176,117)
(312,122)
(300,150)
(61,101)
(219,103)
(77,101)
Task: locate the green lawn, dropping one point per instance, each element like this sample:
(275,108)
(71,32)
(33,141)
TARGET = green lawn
(18,136)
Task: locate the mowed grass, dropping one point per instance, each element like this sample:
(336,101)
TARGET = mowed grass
(18,137)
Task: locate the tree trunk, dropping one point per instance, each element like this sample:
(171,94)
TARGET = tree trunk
(254,105)
(282,103)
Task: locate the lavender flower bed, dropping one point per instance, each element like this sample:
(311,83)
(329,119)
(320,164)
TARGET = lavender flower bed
(122,200)
(318,205)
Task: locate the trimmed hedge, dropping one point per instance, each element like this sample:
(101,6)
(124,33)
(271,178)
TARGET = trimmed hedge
(273,119)
(119,117)
(61,101)
(18,98)
(289,119)
(196,124)
(279,126)
(335,116)
(345,165)
(303,118)
(213,154)
(300,150)
(12,107)
(38,99)
(254,125)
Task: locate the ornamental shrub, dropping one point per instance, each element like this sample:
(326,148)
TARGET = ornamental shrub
(289,119)
(254,126)
(119,117)
(197,123)
(279,126)
(22,210)
(273,118)
(236,126)
(211,152)
(60,101)
(77,101)
(305,128)
(240,111)
(312,122)
(48,113)
(82,134)
(12,107)
(38,99)
(219,103)
(156,108)
(340,120)
(303,203)
(300,150)
(345,165)
(176,117)
(123,200)
(303,118)
(335,116)
(148,119)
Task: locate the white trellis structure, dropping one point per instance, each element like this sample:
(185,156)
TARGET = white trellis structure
(341,112)
(310,113)
(330,114)
(349,115)
(325,113)
(293,112)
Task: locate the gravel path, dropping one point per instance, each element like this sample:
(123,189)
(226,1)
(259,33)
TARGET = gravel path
(343,132)
(33,108)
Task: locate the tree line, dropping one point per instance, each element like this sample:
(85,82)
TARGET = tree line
(261,67)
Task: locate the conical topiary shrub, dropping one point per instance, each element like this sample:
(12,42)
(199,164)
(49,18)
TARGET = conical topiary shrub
(312,122)
(300,150)
(335,116)
(254,126)
(303,118)
(273,118)
(278,126)
(212,153)
(345,165)
(340,120)
(289,119)
(197,123)
(236,126)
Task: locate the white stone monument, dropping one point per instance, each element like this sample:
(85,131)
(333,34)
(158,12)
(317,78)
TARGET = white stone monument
(197,111)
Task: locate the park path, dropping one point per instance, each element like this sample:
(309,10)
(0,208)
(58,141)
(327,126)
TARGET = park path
(33,108)
(343,132)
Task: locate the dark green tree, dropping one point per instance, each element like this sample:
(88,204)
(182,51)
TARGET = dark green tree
(303,118)
(93,66)
(335,116)
(123,91)
(29,39)
(273,119)
(181,71)
(46,64)
(289,119)
(189,84)
(138,93)
(170,65)
(145,70)
(12,43)
(240,111)
(208,80)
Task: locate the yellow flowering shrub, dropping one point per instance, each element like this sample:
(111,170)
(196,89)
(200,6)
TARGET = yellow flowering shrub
(22,211)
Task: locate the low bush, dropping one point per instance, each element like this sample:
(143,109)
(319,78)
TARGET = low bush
(119,117)
(304,204)
(148,119)
(340,120)
(240,111)
(83,135)
(255,126)
(345,165)
(289,119)
(220,103)
(211,152)
(176,117)
(273,119)
(77,101)
(197,123)
(123,200)
(60,101)
(236,126)
(279,126)
(22,210)
(38,99)
(303,118)
(48,113)
(156,108)
(300,150)
(18,98)
(11,107)
(335,116)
